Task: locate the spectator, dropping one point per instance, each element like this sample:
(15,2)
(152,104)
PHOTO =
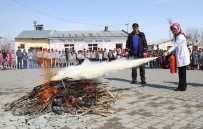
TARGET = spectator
(13,59)
(1,60)
(5,58)
(201,58)
(34,51)
(105,55)
(100,56)
(195,58)
(39,58)
(9,57)
(25,58)
(52,54)
(19,58)
(30,59)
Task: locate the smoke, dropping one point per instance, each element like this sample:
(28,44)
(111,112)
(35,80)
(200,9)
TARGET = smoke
(90,70)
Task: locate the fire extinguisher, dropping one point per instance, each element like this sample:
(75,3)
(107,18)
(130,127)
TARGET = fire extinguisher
(173,68)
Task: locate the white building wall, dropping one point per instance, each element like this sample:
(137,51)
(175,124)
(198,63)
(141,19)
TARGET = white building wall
(82,43)
(164,46)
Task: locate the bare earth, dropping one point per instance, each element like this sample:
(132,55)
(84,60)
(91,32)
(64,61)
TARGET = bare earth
(151,106)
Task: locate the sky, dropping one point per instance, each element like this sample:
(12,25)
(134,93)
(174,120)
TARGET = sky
(68,15)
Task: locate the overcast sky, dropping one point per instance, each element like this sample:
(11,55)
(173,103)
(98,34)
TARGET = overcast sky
(67,15)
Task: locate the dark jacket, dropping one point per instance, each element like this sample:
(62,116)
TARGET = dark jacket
(5,56)
(19,53)
(142,44)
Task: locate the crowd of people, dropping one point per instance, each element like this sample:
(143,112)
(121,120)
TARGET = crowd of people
(162,62)
(37,58)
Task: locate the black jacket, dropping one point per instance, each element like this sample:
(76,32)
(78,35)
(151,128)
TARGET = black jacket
(142,44)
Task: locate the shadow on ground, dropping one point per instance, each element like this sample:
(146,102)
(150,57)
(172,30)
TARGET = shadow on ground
(191,84)
(118,79)
(141,85)
(120,89)
(157,86)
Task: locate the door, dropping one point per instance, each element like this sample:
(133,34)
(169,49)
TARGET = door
(119,46)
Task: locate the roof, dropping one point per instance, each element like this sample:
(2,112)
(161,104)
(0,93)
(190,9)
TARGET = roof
(76,34)
(34,34)
(160,41)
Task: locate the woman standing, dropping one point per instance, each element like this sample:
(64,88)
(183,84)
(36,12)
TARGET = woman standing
(9,55)
(182,55)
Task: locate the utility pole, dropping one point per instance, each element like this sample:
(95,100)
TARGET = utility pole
(35,25)
(127,26)
(170,23)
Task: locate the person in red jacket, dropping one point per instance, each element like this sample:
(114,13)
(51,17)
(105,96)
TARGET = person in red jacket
(9,57)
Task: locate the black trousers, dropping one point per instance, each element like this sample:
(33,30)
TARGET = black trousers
(25,64)
(19,62)
(182,78)
(142,71)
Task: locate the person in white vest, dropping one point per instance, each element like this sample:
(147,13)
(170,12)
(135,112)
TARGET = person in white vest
(93,55)
(79,56)
(30,59)
(105,55)
(75,61)
(63,59)
(182,54)
(100,54)
(88,54)
(45,56)
(114,54)
(60,59)
(39,58)
(57,57)
(49,59)
(13,59)
(53,59)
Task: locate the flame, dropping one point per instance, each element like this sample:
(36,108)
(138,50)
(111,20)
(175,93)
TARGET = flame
(91,94)
(69,102)
(88,87)
(46,93)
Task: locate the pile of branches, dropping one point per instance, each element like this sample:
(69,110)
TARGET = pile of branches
(67,96)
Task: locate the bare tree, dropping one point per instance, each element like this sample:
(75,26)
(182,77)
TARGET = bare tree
(6,43)
(201,38)
(194,36)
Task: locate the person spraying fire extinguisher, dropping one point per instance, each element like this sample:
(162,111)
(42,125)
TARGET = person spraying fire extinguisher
(182,55)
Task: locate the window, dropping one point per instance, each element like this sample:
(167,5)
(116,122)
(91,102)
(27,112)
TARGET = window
(69,46)
(92,47)
(22,46)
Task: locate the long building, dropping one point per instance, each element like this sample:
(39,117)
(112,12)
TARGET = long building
(77,40)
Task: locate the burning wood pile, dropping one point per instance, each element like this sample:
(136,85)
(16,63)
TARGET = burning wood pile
(66,96)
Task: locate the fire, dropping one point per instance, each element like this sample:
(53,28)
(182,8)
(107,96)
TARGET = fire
(74,97)
(88,87)
(46,92)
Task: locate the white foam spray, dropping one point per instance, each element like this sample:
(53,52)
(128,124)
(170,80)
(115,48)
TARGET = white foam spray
(90,70)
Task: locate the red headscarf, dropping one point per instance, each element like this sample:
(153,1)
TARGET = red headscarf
(177,26)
